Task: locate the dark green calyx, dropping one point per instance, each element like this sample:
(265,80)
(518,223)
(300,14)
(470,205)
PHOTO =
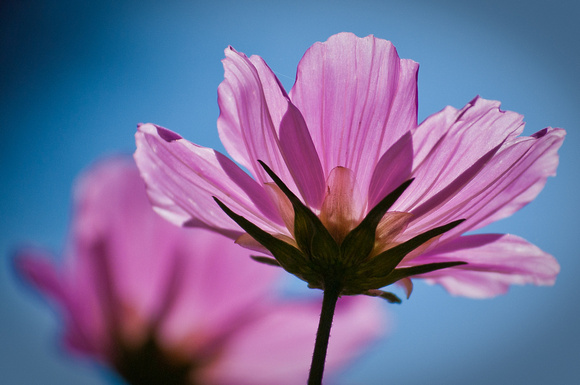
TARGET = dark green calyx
(381,271)
(265,260)
(318,258)
(405,272)
(359,243)
(311,235)
(390,297)
(289,257)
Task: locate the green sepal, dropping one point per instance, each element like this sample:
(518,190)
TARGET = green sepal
(289,257)
(359,243)
(390,297)
(387,261)
(374,273)
(405,272)
(310,234)
(265,260)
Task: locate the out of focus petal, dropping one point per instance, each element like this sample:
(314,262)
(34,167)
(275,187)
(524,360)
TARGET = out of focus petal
(38,270)
(113,217)
(217,282)
(285,335)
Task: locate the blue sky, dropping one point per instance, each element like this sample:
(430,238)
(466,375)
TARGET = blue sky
(76,77)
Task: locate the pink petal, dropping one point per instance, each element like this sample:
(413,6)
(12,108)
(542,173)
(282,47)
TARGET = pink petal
(357,98)
(247,242)
(448,143)
(245,125)
(342,208)
(534,159)
(407,285)
(475,173)
(296,144)
(116,253)
(116,265)
(36,268)
(258,122)
(480,122)
(392,170)
(301,157)
(217,283)
(283,204)
(392,224)
(495,261)
(113,217)
(182,177)
(277,349)
(509,181)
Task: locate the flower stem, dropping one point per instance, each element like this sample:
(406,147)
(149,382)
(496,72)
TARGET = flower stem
(331,293)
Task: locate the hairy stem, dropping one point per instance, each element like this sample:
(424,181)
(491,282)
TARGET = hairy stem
(331,293)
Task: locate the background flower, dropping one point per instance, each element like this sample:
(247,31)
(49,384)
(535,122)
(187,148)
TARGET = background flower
(73,89)
(134,286)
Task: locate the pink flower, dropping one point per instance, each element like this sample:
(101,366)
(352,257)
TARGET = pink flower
(332,165)
(165,305)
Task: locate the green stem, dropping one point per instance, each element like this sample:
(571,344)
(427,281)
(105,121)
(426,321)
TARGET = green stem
(331,293)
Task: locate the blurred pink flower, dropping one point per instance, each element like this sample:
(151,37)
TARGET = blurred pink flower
(160,304)
(343,139)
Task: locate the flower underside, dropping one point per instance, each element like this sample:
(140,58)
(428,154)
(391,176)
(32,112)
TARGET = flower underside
(331,249)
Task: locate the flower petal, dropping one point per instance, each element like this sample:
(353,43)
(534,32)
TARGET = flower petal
(463,175)
(296,144)
(36,268)
(449,142)
(258,122)
(533,159)
(358,98)
(392,170)
(113,217)
(301,157)
(283,204)
(245,125)
(213,290)
(182,177)
(342,208)
(407,285)
(392,224)
(82,334)
(509,181)
(494,262)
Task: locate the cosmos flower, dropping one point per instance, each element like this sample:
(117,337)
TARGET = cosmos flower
(160,304)
(343,183)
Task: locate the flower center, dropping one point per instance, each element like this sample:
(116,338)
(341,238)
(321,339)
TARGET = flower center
(343,208)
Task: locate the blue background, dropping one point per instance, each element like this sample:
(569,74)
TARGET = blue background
(77,77)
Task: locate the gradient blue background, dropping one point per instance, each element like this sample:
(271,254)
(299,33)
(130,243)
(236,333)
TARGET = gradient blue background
(76,78)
